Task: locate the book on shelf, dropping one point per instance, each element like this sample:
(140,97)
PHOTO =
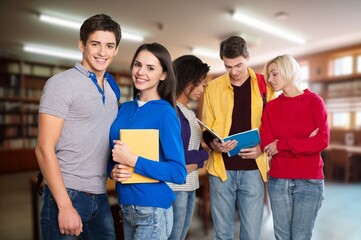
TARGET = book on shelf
(246,139)
(144,143)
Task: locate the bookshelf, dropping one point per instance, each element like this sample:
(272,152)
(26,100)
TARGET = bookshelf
(125,84)
(21,84)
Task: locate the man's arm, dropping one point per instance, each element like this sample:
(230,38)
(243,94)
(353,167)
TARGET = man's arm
(49,131)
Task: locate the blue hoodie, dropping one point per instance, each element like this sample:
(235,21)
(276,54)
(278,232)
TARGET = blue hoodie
(156,114)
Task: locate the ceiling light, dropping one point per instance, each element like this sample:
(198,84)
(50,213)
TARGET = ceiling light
(132,37)
(59,21)
(55,52)
(267,27)
(205,52)
(76,25)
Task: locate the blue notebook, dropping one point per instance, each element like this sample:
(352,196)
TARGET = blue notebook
(246,139)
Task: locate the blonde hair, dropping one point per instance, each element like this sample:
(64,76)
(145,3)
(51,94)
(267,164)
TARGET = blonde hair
(288,68)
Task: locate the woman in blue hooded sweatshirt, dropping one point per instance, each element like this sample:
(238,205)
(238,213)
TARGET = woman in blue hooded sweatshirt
(147,207)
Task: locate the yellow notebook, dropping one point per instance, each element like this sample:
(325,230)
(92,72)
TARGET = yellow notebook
(144,143)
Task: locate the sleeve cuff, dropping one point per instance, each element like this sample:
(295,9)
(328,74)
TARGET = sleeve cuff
(282,145)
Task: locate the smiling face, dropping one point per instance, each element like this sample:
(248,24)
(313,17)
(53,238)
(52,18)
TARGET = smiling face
(99,51)
(147,72)
(275,80)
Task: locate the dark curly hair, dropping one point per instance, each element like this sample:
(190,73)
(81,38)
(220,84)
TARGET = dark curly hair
(189,70)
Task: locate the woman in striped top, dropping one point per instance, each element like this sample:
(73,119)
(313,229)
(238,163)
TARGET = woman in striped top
(191,75)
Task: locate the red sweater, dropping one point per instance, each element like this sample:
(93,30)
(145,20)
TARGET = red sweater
(291,121)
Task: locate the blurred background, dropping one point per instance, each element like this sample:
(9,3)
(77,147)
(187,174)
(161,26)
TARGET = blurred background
(39,38)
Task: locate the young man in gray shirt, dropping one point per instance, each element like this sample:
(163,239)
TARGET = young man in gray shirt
(76,110)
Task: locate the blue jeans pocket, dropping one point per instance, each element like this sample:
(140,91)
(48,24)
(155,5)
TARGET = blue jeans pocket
(72,193)
(147,222)
(314,181)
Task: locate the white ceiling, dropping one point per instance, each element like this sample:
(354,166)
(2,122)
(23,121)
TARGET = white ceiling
(325,24)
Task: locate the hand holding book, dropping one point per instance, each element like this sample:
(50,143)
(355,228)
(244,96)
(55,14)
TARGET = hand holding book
(251,153)
(219,146)
(121,173)
(244,140)
(122,154)
(134,143)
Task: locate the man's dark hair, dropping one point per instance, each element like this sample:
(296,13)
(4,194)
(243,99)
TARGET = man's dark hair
(100,22)
(233,47)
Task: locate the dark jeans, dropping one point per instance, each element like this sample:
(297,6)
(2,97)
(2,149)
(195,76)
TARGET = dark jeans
(93,209)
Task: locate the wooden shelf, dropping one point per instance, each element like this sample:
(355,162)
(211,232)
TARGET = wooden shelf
(14,160)
(126,86)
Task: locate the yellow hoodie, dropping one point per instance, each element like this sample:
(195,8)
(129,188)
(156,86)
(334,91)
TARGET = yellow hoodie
(217,114)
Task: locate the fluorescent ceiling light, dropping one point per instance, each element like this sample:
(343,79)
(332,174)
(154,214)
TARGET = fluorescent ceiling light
(55,52)
(267,28)
(132,37)
(205,52)
(59,21)
(76,25)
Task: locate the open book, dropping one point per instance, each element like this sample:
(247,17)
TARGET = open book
(144,143)
(246,139)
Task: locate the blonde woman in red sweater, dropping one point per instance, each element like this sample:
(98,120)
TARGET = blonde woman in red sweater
(294,132)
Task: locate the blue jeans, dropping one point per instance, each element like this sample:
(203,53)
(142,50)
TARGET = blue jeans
(295,204)
(146,223)
(93,209)
(183,208)
(244,189)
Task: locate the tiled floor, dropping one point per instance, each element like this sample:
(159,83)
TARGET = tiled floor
(338,219)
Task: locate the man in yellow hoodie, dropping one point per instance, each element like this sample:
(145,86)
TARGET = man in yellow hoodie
(234,103)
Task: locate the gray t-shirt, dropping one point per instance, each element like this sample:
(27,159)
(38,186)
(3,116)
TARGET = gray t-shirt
(83,147)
